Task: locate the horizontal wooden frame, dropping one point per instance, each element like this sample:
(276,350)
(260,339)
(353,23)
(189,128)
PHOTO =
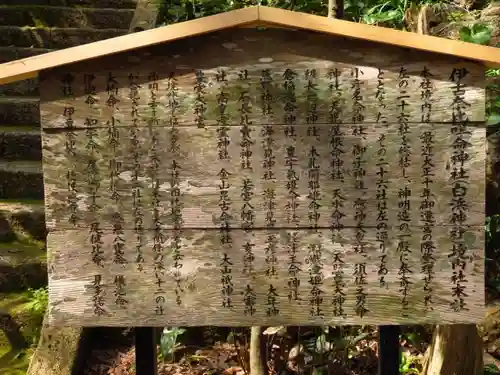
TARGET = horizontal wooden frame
(378,83)
(197,167)
(29,67)
(490,56)
(191,295)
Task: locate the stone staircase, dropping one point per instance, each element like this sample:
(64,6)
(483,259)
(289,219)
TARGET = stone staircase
(28,28)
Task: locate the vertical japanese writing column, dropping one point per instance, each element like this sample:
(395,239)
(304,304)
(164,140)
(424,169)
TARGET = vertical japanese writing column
(154,177)
(337,175)
(137,174)
(247,214)
(268,164)
(404,193)
(271,242)
(427,139)
(70,149)
(359,172)
(388,342)
(223,142)
(291,160)
(314,256)
(175,191)
(115,166)
(382,172)
(459,176)
(94,178)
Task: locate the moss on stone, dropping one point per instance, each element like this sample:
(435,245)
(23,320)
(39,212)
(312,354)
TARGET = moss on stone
(15,361)
(20,201)
(22,221)
(23,264)
(22,251)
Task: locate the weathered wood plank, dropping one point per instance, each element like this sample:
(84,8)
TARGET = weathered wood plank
(299,64)
(156,160)
(196,154)
(193,277)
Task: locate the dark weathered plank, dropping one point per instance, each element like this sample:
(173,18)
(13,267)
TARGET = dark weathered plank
(72,273)
(380,77)
(199,175)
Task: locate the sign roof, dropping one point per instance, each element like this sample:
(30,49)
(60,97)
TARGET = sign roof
(257,15)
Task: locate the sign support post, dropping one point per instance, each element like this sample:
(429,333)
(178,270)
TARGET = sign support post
(145,351)
(388,349)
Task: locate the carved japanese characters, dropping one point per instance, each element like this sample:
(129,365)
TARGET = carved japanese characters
(265,185)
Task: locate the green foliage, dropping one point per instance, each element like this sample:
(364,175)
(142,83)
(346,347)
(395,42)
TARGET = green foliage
(491,370)
(326,339)
(492,228)
(38,301)
(387,12)
(492,234)
(493,103)
(169,344)
(407,365)
(35,307)
(390,13)
(478,34)
(182,10)
(415,335)
(325,345)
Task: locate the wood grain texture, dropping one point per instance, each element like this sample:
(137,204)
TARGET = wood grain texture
(72,274)
(254,51)
(174,155)
(199,169)
(277,16)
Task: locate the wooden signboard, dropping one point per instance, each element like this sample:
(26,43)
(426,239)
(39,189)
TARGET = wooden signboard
(262,177)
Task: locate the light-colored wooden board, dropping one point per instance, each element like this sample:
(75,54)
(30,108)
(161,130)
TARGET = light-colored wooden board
(72,273)
(141,178)
(198,165)
(28,68)
(253,51)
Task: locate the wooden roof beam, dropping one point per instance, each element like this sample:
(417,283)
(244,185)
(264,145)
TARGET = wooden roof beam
(29,67)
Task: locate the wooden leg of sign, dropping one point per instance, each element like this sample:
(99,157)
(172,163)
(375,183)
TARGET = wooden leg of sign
(388,350)
(145,351)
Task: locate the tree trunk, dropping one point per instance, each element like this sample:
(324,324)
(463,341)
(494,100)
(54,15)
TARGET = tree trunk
(12,331)
(336,9)
(257,352)
(454,350)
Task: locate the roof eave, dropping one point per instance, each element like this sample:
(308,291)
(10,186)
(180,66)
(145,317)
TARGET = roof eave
(489,56)
(29,67)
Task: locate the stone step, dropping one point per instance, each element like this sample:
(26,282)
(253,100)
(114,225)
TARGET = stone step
(22,266)
(53,38)
(12,53)
(27,87)
(21,180)
(22,245)
(44,16)
(19,111)
(20,143)
(116,4)
(22,220)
